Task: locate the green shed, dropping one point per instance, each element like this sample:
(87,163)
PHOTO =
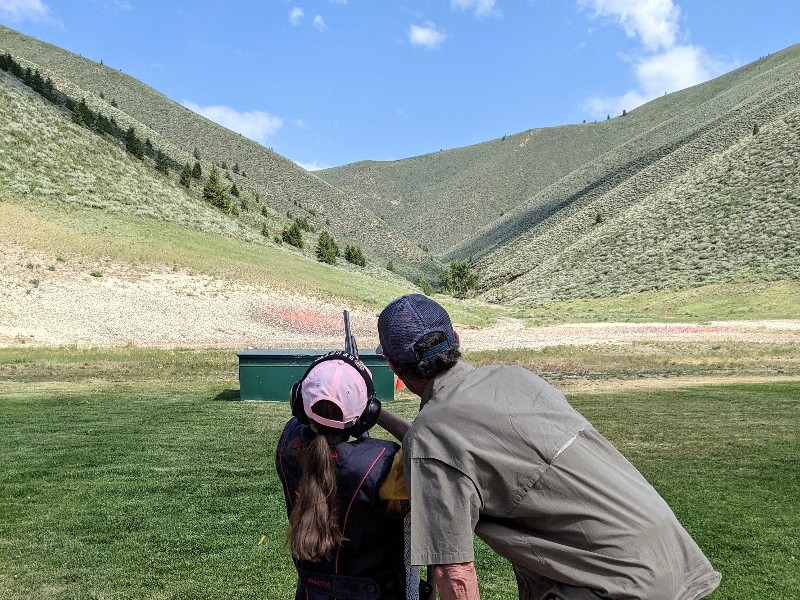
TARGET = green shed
(269,374)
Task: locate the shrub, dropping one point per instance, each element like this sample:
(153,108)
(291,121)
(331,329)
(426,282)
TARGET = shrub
(327,250)
(303,223)
(214,193)
(354,254)
(292,235)
(186,176)
(162,165)
(424,286)
(459,279)
(133,144)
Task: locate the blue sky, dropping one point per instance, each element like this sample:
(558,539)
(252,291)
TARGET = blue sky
(329,82)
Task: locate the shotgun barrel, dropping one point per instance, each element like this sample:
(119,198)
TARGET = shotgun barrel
(350,345)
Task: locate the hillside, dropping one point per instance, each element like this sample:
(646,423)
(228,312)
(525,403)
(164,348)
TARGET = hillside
(262,175)
(537,205)
(693,190)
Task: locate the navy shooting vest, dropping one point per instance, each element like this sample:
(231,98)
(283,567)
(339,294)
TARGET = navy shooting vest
(368,565)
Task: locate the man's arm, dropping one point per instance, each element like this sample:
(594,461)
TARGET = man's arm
(393,424)
(458,581)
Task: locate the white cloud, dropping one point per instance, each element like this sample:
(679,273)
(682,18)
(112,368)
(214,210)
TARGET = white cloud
(122,5)
(675,69)
(312,166)
(480,8)
(256,124)
(427,36)
(341,2)
(25,10)
(654,22)
(661,65)
(319,24)
(295,16)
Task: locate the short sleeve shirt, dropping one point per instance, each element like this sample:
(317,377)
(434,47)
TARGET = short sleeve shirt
(500,452)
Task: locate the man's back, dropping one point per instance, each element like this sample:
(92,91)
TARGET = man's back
(543,488)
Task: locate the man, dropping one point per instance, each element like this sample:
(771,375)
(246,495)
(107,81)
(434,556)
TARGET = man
(498,452)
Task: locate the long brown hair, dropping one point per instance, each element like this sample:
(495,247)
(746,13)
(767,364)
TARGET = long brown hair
(314,523)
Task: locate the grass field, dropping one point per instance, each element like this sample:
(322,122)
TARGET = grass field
(135,473)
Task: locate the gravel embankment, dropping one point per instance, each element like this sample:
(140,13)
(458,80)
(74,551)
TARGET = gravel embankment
(49,303)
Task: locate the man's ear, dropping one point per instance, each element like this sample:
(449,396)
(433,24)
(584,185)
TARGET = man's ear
(458,337)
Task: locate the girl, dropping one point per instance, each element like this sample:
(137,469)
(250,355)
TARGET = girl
(345,536)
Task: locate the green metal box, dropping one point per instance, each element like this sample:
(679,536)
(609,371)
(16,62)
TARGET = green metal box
(269,374)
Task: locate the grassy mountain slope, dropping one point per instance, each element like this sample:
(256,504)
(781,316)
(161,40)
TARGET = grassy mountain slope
(562,188)
(73,195)
(278,183)
(733,217)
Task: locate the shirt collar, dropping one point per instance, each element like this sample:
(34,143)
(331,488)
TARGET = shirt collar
(457,371)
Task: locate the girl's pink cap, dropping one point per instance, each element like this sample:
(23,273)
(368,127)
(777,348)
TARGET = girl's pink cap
(337,382)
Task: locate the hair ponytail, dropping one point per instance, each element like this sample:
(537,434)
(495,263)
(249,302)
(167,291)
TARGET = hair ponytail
(313,523)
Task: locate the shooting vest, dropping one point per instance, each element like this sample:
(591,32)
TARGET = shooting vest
(369,564)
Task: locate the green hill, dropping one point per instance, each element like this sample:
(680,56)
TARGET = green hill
(263,177)
(696,188)
(540,212)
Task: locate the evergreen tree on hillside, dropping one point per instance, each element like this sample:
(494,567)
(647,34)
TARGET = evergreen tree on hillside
(459,279)
(292,235)
(197,171)
(214,192)
(103,125)
(88,115)
(327,250)
(186,176)
(77,115)
(162,164)
(133,144)
(234,190)
(354,254)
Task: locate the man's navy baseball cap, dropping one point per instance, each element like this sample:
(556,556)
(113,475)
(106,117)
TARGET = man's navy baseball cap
(407,319)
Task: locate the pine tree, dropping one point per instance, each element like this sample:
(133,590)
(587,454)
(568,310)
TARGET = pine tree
(459,279)
(292,235)
(103,125)
(234,190)
(214,193)
(327,250)
(88,115)
(197,171)
(133,144)
(77,114)
(354,254)
(186,176)
(162,164)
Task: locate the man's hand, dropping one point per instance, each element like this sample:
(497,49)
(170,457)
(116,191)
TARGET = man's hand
(457,581)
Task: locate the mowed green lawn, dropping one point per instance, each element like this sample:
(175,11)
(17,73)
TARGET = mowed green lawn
(138,474)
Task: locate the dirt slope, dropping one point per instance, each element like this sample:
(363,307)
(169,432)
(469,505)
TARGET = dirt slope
(42,304)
